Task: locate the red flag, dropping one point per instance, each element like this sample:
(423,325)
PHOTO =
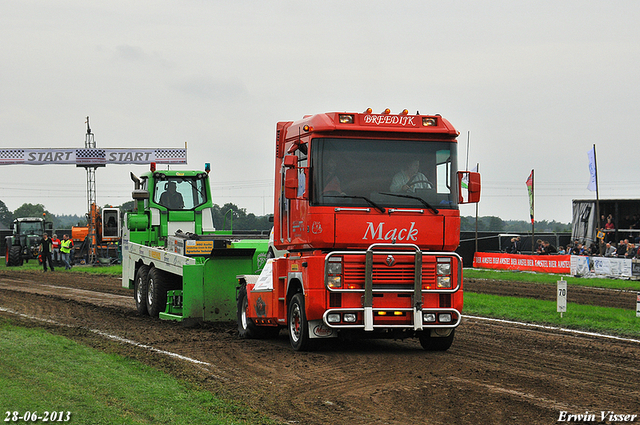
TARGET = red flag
(530,189)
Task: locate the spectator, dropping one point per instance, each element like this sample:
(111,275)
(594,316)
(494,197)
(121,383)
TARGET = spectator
(516,245)
(609,229)
(547,248)
(631,251)
(55,255)
(610,251)
(538,246)
(45,251)
(622,248)
(561,250)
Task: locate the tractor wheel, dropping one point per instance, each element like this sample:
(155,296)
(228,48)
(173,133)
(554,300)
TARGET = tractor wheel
(156,292)
(297,324)
(13,256)
(140,289)
(432,343)
(246,327)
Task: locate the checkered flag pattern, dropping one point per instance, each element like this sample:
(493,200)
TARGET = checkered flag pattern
(91,156)
(11,156)
(171,156)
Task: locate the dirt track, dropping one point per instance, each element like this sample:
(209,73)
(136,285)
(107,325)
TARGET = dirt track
(494,373)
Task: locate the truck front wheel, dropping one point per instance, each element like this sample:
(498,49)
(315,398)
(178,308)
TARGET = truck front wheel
(156,292)
(432,343)
(297,324)
(140,289)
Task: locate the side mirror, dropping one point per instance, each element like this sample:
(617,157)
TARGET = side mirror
(469,185)
(291,183)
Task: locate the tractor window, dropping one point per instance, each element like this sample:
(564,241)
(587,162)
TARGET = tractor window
(180,193)
(31,228)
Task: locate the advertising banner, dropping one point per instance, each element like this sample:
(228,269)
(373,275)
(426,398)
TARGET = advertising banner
(96,156)
(612,266)
(536,263)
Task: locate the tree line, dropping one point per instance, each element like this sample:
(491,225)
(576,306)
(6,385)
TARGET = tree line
(226,217)
(230,216)
(496,224)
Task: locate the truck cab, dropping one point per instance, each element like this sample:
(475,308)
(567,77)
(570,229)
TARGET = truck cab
(366,207)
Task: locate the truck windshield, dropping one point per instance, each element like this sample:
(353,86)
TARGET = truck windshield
(387,173)
(180,193)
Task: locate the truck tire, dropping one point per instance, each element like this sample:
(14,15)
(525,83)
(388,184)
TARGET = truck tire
(297,326)
(432,343)
(156,292)
(140,289)
(13,256)
(246,328)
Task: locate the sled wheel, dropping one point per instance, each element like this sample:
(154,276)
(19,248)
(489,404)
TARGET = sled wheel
(140,289)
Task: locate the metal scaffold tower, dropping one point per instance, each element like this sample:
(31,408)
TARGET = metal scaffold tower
(90,143)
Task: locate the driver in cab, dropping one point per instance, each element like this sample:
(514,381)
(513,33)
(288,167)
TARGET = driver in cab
(171,198)
(409,179)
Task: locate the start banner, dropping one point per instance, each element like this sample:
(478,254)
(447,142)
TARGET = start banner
(94,156)
(536,263)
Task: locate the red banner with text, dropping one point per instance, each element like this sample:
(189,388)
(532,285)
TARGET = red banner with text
(535,263)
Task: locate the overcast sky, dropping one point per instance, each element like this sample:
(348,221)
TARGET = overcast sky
(533,85)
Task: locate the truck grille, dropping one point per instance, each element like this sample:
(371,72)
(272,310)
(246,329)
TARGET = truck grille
(399,276)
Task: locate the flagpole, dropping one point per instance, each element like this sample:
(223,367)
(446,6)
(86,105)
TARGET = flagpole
(531,208)
(477,170)
(598,223)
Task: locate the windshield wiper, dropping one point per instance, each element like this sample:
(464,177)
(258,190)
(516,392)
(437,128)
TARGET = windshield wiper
(373,204)
(400,195)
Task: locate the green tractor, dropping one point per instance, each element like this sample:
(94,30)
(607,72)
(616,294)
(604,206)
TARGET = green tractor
(23,244)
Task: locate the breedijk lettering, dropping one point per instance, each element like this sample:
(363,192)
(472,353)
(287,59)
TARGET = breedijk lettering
(389,120)
(378,233)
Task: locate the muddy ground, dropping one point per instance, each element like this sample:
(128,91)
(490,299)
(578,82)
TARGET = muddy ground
(494,373)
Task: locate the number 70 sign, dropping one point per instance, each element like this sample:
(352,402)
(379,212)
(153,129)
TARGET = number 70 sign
(562,296)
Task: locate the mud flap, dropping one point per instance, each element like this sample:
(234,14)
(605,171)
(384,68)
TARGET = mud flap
(318,329)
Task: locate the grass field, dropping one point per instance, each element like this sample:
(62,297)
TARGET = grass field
(91,387)
(625,284)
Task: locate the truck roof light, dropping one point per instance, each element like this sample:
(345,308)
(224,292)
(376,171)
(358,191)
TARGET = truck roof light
(404,112)
(345,118)
(368,111)
(207,167)
(152,166)
(386,111)
(307,128)
(429,122)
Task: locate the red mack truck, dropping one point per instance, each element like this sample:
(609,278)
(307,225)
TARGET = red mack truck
(366,216)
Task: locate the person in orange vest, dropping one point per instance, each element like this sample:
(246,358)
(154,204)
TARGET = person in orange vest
(55,255)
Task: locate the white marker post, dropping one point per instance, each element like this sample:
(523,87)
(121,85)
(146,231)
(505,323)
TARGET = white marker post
(638,306)
(562,297)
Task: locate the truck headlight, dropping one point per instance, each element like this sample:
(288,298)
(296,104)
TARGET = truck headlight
(333,318)
(350,317)
(334,281)
(444,268)
(444,317)
(334,272)
(444,281)
(429,317)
